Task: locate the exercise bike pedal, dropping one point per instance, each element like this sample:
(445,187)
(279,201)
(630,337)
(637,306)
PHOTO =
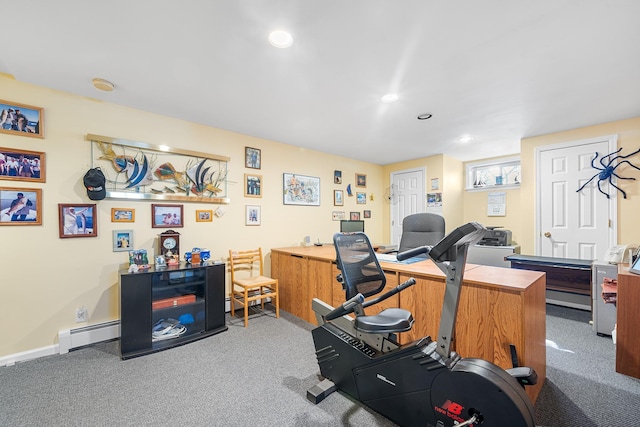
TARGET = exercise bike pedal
(318,392)
(524,375)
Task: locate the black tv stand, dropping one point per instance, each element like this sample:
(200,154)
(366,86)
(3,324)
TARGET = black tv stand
(194,294)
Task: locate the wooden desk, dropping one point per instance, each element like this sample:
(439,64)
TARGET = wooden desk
(498,306)
(628,319)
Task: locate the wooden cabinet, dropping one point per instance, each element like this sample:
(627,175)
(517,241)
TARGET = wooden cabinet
(498,306)
(628,320)
(300,280)
(193,295)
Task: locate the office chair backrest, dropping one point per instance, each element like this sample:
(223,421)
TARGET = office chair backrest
(421,229)
(358,264)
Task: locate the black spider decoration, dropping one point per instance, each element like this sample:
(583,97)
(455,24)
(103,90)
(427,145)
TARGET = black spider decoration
(607,171)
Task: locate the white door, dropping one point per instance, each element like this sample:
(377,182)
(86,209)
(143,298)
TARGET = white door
(574,224)
(408,198)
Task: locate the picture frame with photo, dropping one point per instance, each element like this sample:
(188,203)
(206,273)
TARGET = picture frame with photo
(253,215)
(21,119)
(300,190)
(337,177)
(338,198)
(123,215)
(167,216)
(122,240)
(367,214)
(338,215)
(252,158)
(204,215)
(77,220)
(20,206)
(22,165)
(361,198)
(361,180)
(252,185)
(354,216)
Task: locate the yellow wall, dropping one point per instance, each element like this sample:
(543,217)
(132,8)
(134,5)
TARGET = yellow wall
(45,279)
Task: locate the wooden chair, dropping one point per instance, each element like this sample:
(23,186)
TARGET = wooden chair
(248,282)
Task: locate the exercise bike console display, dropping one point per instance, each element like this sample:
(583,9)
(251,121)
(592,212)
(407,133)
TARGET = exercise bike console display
(421,383)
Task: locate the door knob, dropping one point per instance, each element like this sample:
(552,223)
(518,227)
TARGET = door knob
(547,234)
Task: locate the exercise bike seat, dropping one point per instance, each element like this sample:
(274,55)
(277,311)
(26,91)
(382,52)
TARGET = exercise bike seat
(361,273)
(389,320)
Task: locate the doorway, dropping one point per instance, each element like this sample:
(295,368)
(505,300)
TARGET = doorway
(574,224)
(407,197)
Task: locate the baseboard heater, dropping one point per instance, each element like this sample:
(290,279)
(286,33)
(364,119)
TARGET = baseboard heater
(69,339)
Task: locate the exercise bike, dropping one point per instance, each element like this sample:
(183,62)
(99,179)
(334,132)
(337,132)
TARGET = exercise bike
(421,383)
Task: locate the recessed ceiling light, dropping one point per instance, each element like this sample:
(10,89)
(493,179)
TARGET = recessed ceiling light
(465,138)
(390,97)
(280,39)
(425,116)
(102,84)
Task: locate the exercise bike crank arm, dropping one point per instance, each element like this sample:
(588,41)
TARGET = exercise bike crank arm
(470,421)
(346,307)
(390,293)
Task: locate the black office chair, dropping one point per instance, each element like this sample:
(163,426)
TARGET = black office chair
(360,273)
(421,229)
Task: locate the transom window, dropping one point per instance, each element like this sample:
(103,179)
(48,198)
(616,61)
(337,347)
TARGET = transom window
(505,172)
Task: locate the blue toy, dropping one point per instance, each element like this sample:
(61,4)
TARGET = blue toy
(607,171)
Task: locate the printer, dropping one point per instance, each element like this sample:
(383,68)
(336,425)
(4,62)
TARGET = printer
(495,237)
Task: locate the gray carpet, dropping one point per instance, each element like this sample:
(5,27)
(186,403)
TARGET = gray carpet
(258,376)
(583,388)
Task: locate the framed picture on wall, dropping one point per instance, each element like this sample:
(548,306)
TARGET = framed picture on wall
(301,190)
(123,215)
(252,158)
(77,220)
(337,215)
(338,198)
(367,214)
(20,206)
(337,177)
(204,215)
(252,185)
(253,215)
(361,198)
(166,216)
(122,240)
(22,165)
(361,180)
(354,216)
(21,119)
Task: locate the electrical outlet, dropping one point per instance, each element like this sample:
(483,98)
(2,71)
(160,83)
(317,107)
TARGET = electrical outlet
(81,315)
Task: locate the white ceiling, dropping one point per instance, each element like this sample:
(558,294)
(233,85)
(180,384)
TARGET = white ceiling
(497,70)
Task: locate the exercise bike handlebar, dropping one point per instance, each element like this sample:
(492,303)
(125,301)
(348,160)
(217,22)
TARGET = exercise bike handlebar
(346,307)
(413,252)
(349,305)
(390,293)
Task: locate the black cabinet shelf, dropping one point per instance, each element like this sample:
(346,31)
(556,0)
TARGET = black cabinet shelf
(191,295)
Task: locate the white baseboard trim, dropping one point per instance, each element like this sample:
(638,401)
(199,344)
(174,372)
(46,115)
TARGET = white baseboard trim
(23,356)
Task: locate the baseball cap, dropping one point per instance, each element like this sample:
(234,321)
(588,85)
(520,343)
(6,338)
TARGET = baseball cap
(94,181)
